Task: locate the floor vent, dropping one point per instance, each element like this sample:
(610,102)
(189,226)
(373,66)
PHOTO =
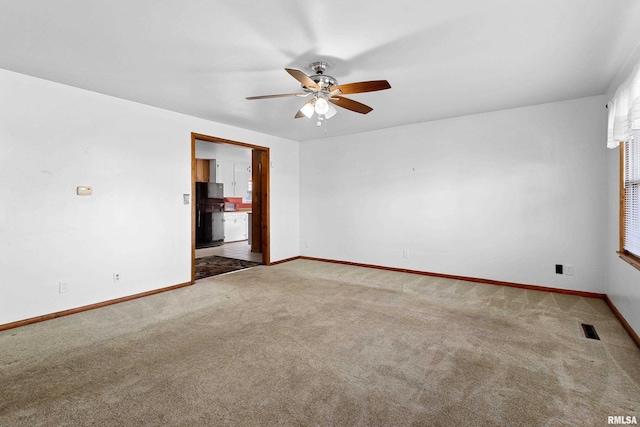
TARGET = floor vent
(590,332)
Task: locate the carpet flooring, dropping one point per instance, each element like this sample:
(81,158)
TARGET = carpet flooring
(214,265)
(312,343)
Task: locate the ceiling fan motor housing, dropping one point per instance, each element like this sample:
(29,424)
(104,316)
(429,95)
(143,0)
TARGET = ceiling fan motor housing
(324,81)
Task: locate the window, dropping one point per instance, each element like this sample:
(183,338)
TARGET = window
(630,197)
(624,130)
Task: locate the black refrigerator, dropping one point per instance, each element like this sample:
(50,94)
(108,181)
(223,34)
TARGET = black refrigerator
(209,214)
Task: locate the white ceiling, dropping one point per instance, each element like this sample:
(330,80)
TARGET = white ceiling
(442,58)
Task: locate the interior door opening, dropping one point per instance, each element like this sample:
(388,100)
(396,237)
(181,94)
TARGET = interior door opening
(230,187)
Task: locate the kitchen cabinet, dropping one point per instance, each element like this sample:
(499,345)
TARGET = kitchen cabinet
(236,226)
(222,171)
(202,170)
(241,177)
(234,175)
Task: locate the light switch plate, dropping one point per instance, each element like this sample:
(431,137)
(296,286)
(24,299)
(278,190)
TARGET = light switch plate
(84,190)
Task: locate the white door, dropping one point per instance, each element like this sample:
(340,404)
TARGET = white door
(241,176)
(234,225)
(218,226)
(224,174)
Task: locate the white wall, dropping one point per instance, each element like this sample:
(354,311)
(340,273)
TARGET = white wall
(54,138)
(503,196)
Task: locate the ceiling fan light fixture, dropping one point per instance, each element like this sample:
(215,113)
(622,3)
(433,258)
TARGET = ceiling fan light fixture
(332,112)
(321,106)
(307,109)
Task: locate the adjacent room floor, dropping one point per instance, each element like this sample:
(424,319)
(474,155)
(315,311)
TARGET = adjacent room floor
(237,250)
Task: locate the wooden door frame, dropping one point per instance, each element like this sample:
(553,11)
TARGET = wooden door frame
(264,195)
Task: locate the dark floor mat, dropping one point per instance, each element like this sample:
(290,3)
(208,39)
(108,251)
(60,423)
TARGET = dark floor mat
(213,265)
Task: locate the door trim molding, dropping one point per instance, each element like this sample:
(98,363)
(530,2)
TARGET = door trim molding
(264,195)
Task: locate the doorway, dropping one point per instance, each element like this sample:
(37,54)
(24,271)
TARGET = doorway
(259,223)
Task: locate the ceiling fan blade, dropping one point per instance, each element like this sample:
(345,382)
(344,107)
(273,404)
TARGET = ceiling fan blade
(350,104)
(281,95)
(303,78)
(361,87)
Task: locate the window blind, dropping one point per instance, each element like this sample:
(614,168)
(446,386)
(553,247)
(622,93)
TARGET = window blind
(632,194)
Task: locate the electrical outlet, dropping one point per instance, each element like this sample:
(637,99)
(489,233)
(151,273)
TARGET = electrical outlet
(116,277)
(558,268)
(568,270)
(63,287)
(405,254)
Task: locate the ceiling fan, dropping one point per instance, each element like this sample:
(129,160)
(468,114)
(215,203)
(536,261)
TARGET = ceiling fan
(325,92)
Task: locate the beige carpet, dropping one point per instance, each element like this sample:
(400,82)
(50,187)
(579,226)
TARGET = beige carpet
(311,343)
